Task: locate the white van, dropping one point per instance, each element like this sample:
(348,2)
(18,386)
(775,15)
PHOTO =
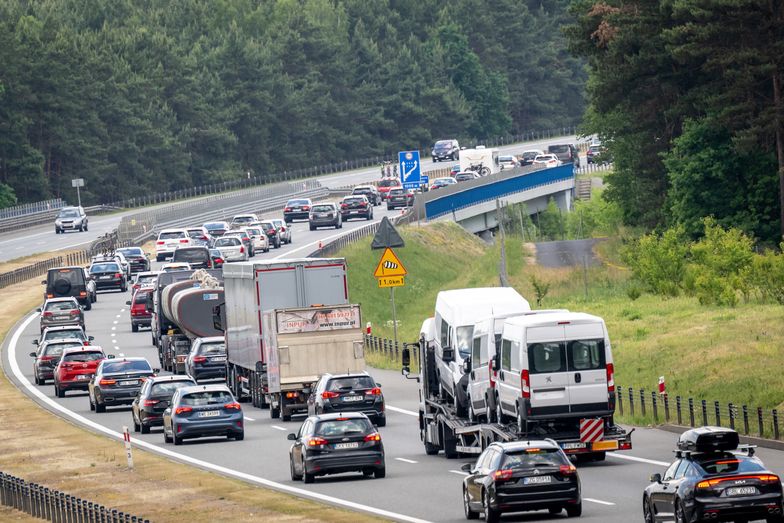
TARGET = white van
(555,366)
(482,396)
(481,160)
(451,332)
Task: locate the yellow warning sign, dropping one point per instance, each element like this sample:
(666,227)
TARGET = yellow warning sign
(389,265)
(391,281)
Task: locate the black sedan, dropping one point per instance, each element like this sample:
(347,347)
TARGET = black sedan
(520,476)
(297,209)
(136,257)
(203,410)
(108,275)
(713,479)
(207,359)
(117,382)
(336,443)
(156,393)
(348,392)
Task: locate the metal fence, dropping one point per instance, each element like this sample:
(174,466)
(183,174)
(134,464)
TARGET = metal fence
(593,168)
(30,208)
(389,348)
(344,240)
(54,505)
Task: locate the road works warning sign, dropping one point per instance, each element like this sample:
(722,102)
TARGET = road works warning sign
(389,266)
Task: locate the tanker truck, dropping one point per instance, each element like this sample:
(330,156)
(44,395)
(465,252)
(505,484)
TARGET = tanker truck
(184,308)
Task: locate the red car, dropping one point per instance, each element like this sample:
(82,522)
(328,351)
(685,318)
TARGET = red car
(140,315)
(76,367)
(386,185)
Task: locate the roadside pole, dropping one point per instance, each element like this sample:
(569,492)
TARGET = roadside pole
(390,271)
(394,313)
(128,453)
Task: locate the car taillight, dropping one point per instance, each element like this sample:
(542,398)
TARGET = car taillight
(344,206)
(82,293)
(46,358)
(568,470)
(502,475)
(525,384)
(305,208)
(316,442)
(184,240)
(232,406)
(219,260)
(47,314)
(763,478)
(105,381)
(282,229)
(363,204)
(149,403)
(50,295)
(117,275)
(374,436)
(242,249)
(160,242)
(610,377)
(180,410)
(327,395)
(291,395)
(74,313)
(199,359)
(375,391)
(287,209)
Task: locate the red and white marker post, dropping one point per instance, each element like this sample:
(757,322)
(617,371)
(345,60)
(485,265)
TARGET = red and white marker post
(128,453)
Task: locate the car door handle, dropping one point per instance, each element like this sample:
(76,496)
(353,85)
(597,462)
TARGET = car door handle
(577,377)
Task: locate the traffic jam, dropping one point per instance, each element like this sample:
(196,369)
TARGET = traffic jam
(524,398)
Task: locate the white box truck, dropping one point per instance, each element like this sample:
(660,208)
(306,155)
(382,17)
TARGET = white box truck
(250,288)
(302,344)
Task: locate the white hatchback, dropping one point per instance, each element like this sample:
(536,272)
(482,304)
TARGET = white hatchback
(170,239)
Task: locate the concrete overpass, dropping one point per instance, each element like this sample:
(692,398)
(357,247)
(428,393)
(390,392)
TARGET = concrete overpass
(472,204)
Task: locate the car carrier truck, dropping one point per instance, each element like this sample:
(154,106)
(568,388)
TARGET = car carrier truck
(589,433)
(302,344)
(253,287)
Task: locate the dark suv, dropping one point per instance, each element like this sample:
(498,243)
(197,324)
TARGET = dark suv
(108,275)
(67,281)
(348,393)
(565,152)
(197,257)
(445,149)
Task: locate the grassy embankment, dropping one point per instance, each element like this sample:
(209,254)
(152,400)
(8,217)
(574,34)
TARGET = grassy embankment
(707,352)
(45,449)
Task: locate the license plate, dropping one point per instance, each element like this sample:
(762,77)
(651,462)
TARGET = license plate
(105,277)
(83,377)
(568,446)
(295,209)
(353,398)
(537,480)
(209,414)
(322,215)
(128,383)
(352,445)
(218,358)
(741,491)
(180,359)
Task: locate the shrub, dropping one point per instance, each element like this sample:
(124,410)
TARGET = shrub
(658,261)
(541,288)
(767,276)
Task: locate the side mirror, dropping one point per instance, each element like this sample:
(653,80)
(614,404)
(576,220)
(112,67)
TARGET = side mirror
(32,354)
(448,354)
(156,371)
(466,467)
(292,437)
(656,478)
(43,282)
(91,338)
(496,362)
(35,342)
(110,356)
(405,357)
(127,302)
(467,366)
(38,309)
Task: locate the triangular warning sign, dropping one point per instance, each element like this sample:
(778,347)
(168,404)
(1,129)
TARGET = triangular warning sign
(386,236)
(389,265)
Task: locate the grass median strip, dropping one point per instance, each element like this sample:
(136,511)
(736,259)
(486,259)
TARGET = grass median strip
(42,448)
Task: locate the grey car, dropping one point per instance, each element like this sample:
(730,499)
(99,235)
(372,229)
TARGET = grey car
(156,393)
(70,219)
(118,381)
(207,359)
(325,215)
(203,410)
(283,230)
(57,312)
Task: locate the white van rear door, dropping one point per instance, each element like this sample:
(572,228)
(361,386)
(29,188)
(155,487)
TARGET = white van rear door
(587,376)
(547,370)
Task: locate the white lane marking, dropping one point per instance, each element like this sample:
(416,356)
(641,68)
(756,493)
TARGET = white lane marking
(116,347)
(248,419)
(121,310)
(402,411)
(114,328)
(404,460)
(459,472)
(116,322)
(599,501)
(278,427)
(281,487)
(640,460)
(117,317)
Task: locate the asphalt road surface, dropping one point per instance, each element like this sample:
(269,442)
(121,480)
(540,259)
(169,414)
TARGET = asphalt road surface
(417,487)
(42,238)
(567,253)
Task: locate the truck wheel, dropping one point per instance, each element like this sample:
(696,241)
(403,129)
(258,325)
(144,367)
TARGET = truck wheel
(134,327)
(430,449)
(285,417)
(274,411)
(449,442)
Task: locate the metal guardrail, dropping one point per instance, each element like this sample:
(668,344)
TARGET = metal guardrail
(31,208)
(344,240)
(54,505)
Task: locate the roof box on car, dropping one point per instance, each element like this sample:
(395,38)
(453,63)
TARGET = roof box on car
(708,439)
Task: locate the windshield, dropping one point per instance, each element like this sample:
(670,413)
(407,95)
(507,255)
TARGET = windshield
(172,235)
(388,183)
(323,208)
(533,457)
(558,149)
(355,382)
(212,349)
(83,357)
(146,280)
(72,275)
(167,388)
(68,334)
(505,159)
(140,297)
(105,267)
(55,349)
(126,366)
(243,219)
(396,192)
(356,200)
(189,255)
(297,202)
(208,397)
(61,305)
(254,232)
(68,214)
(530,155)
(131,251)
(443,144)
(463,338)
(267,226)
(345,427)
(214,226)
(729,463)
(227,242)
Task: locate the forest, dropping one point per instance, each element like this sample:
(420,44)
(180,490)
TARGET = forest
(140,96)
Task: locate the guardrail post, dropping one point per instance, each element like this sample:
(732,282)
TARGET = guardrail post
(775,424)
(745,411)
(704,412)
(642,402)
(691,411)
(666,399)
(655,410)
(631,401)
(619,396)
(717,408)
(760,422)
(731,413)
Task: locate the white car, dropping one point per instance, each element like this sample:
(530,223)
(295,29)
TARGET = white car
(176,266)
(507,161)
(258,238)
(170,239)
(242,220)
(231,248)
(548,160)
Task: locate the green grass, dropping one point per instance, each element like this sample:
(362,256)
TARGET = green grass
(704,352)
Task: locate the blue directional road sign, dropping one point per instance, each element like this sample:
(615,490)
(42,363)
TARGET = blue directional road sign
(411,169)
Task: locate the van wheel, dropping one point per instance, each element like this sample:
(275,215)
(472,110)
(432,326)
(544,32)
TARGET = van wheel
(522,424)
(134,327)
(88,306)
(500,417)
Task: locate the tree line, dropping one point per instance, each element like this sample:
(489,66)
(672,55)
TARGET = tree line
(138,95)
(687,95)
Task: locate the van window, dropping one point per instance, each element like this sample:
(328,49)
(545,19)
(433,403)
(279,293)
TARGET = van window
(585,354)
(506,355)
(476,353)
(444,333)
(516,363)
(546,357)
(463,340)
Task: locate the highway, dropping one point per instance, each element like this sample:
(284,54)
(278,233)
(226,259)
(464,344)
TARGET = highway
(42,238)
(417,487)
